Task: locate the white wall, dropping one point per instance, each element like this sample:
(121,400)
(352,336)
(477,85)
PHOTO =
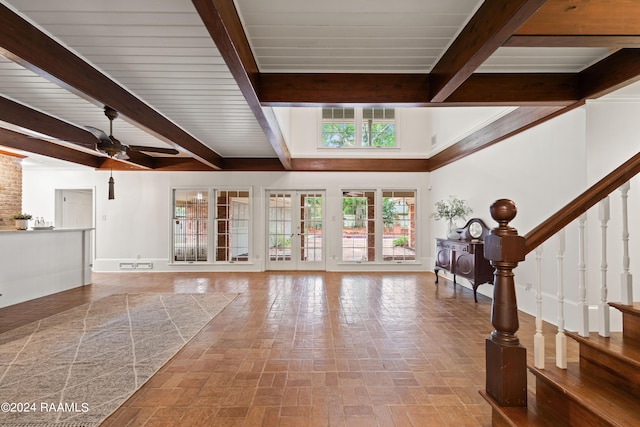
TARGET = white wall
(416,130)
(540,169)
(449,125)
(412,136)
(543,169)
(136,225)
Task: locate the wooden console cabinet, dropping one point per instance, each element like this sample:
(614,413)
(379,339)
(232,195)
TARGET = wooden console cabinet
(465,257)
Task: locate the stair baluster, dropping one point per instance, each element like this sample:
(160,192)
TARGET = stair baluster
(561,339)
(583,307)
(626,291)
(538,339)
(603,308)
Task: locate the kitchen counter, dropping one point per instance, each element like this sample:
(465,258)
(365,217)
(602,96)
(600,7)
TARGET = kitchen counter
(35,263)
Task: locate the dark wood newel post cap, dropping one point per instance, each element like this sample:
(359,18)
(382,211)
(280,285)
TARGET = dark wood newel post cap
(504,244)
(503,211)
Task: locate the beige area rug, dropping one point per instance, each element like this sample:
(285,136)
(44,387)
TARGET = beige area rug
(75,368)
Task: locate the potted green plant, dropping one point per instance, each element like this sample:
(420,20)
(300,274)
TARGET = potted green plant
(22,220)
(451,210)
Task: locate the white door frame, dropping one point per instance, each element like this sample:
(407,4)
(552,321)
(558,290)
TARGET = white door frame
(289,246)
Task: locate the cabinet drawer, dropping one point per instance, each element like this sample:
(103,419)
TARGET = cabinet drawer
(461,247)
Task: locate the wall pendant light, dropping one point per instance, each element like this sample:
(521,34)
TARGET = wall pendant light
(111,189)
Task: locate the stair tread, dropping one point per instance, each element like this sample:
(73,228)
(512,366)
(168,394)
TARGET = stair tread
(527,416)
(628,308)
(600,397)
(616,345)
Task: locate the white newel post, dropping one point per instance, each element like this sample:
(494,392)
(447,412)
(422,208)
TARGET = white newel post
(561,338)
(538,339)
(626,281)
(603,307)
(583,307)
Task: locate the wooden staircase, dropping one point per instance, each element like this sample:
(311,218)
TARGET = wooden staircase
(602,389)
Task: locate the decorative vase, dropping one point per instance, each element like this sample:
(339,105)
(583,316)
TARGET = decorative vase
(453,233)
(22,224)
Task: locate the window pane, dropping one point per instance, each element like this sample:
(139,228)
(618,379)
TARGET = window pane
(190,225)
(399,225)
(338,127)
(378,127)
(232,223)
(338,134)
(358,226)
(311,226)
(280,227)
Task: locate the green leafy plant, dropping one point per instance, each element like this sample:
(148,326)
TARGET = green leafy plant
(22,216)
(388,212)
(451,209)
(401,241)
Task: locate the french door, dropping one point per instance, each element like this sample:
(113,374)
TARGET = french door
(295,221)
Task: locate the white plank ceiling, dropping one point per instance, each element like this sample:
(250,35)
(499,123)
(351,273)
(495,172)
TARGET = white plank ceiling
(161,51)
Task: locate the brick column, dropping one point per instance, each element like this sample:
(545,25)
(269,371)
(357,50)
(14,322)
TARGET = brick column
(10,188)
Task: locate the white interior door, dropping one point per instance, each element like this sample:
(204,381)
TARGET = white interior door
(295,222)
(74,209)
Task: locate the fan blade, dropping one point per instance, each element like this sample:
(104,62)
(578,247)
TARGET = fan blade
(98,133)
(153,149)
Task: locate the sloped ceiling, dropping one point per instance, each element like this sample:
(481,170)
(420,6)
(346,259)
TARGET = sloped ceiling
(203,76)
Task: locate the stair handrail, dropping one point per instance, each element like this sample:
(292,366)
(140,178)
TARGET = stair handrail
(506,377)
(582,203)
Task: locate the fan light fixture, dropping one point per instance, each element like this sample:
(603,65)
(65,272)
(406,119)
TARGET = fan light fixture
(111,146)
(111,187)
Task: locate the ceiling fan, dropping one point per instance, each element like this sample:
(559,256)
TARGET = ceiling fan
(109,145)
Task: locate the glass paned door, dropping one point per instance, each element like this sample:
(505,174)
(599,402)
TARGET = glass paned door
(295,222)
(190,225)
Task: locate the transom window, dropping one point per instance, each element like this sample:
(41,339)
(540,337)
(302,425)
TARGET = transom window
(358,127)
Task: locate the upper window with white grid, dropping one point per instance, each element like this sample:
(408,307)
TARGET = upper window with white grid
(358,127)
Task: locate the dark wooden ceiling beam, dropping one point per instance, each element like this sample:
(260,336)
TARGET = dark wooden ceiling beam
(310,89)
(129,165)
(493,23)
(517,121)
(252,164)
(26,45)
(412,89)
(223,23)
(361,165)
(28,118)
(586,17)
(180,164)
(615,71)
(140,160)
(19,141)
(609,42)
(519,89)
